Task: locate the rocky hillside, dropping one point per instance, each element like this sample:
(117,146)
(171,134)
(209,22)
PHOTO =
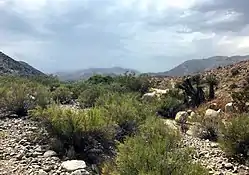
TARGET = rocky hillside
(231,78)
(87,73)
(12,67)
(200,65)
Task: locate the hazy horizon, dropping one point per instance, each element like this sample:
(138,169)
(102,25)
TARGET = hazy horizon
(145,35)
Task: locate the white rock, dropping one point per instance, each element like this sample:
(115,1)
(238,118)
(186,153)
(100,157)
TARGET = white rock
(229,108)
(42,172)
(229,165)
(210,113)
(150,94)
(49,153)
(170,123)
(80,172)
(73,165)
(181,116)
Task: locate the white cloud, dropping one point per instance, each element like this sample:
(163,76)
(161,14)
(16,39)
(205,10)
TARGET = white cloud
(149,35)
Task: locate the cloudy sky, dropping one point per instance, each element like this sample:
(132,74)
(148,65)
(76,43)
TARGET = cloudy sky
(148,35)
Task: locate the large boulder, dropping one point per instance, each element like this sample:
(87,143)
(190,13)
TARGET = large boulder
(229,108)
(210,113)
(181,117)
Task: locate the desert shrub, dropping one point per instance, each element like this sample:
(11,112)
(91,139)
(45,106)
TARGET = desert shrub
(240,99)
(208,128)
(89,96)
(235,71)
(50,81)
(78,134)
(100,79)
(235,137)
(134,83)
(126,110)
(62,94)
(77,88)
(155,150)
(169,106)
(124,107)
(19,97)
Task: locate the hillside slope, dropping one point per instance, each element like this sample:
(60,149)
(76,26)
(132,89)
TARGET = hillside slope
(10,66)
(200,65)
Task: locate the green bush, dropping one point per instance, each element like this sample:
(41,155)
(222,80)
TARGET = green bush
(79,133)
(89,96)
(77,88)
(240,98)
(100,79)
(62,94)
(235,137)
(154,151)
(125,110)
(18,97)
(169,106)
(209,129)
(133,83)
(124,107)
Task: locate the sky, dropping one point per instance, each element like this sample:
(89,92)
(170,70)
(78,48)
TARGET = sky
(147,35)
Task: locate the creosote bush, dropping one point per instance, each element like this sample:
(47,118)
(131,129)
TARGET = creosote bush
(62,94)
(235,137)
(209,129)
(90,95)
(82,134)
(20,96)
(155,150)
(126,110)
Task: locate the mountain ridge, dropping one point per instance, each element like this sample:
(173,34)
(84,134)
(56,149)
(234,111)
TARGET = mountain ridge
(87,73)
(200,65)
(9,66)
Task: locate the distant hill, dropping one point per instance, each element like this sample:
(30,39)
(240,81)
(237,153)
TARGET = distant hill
(87,73)
(9,66)
(200,65)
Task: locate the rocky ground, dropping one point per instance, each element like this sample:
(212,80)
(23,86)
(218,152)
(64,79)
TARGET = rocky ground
(22,153)
(212,157)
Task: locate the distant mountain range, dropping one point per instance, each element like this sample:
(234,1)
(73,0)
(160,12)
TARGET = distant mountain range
(200,65)
(87,73)
(13,67)
(10,66)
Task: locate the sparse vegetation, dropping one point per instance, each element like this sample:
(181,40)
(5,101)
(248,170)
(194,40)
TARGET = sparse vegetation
(153,151)
(235,139)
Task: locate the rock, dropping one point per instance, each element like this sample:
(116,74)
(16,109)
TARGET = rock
(19,156)
(210,113)
(229,108)
(41,172)
(80,172)
(189,111)
(181,117)
(49,153)
(170,123)
(228,166)
(38,149)
(214,145)
(73,165)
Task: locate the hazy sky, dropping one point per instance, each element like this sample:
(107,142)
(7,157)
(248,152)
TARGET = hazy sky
(148,35)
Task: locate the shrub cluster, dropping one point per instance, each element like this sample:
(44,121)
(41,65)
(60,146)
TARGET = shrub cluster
(83,134)
(235,137)
(153,151)
(21,95)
